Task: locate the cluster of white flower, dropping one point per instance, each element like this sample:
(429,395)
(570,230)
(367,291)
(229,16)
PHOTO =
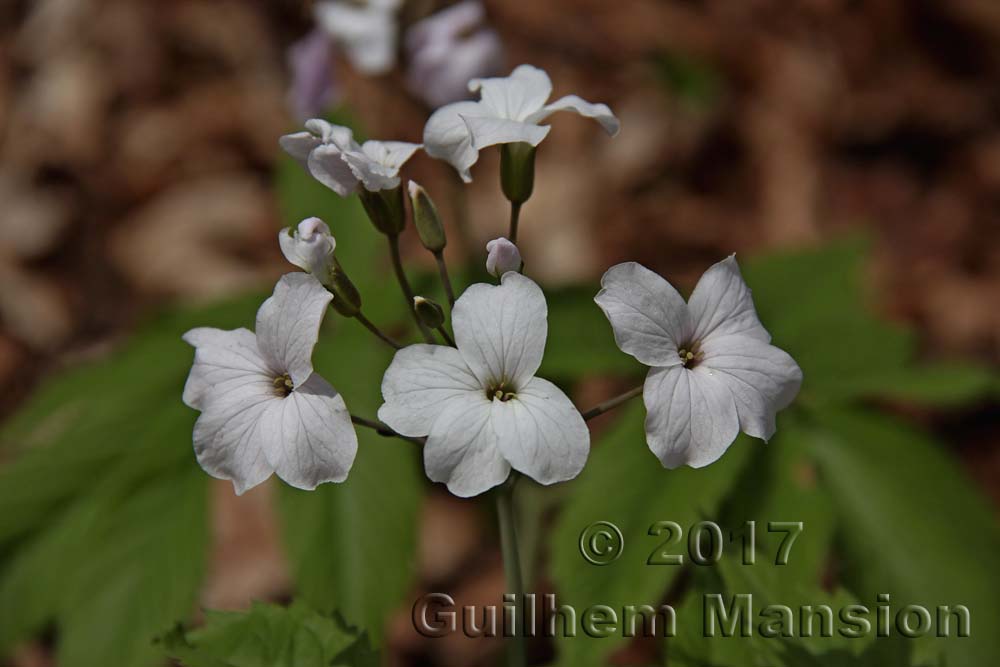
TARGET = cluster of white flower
(474,402)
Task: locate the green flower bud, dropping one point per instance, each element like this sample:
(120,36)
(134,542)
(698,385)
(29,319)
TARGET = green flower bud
(385,208)
(346,298)
(517,171)
(429,312)
(426,219)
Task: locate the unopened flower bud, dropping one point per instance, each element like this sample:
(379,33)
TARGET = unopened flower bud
(385,209)
(517,171)
(426,219)
(429,312)
(346,298)
(502,256)
(310,247)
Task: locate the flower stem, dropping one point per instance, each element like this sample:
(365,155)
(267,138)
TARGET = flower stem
(378,332)
(444,334)
(516,649)
(404,283)
(383,429)
(515,216)
(445,279)
(612,403)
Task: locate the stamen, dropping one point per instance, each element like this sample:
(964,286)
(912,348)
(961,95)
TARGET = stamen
(283,385)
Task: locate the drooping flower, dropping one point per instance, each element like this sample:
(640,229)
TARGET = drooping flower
(480,405)
(263,409)
(713,370)
(511,111)
(310,246)
(367,32)
(502,256)
(313,88)
(330,153)
(448,49)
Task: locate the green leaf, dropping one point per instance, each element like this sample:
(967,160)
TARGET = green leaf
(911,525)
(936,384)
(625,484)
(267,636)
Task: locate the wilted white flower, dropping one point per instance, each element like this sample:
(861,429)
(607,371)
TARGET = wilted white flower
(502,256)
(310,247)
(330,153)
(263,409)
(313,88)
(481,406)
(510,111)
(449,48)
(367,32)
(713,372)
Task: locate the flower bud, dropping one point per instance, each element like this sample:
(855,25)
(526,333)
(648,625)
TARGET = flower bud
(502,256)
(310,247)
(385,209)
(426,219)
(429,312)
(517,171)
(346,298)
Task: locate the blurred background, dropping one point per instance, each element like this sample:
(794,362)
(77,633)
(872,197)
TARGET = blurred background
(140,174)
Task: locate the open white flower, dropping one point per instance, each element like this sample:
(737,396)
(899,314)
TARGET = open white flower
(367,32)
(330,153)
(713,372)
(510,111)
(263,409)
(310,246)
(481,406)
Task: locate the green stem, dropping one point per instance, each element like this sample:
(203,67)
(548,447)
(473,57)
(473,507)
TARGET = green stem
(383,429)
(515,216)
(612,403)
(444,334)
(516,648)
(445,278)
(378,332)
(404,283)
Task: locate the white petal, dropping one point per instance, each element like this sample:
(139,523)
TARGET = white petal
(310,247)
(721,304)
(300,145)
(762,378)
(377,165)
(288,324)
(599,112)
(690,416)
(541,433)
(500,330)
(337,135)
(327,165)
(222,360)
(418,385)
(228,438)
(308,435)
(648,316)
(489,131)
(517,96)
(447,137)
(461,450)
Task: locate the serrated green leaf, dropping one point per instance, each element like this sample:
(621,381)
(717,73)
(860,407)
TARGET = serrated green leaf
(264,636)
(624,483)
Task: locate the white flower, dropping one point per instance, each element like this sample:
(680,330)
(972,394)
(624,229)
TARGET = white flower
(510,111)
(367,32)
(313,87)
(263,409)
(481,406)
(310,247)
(502,256)
(713,372)
(449,48)
(330,153)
